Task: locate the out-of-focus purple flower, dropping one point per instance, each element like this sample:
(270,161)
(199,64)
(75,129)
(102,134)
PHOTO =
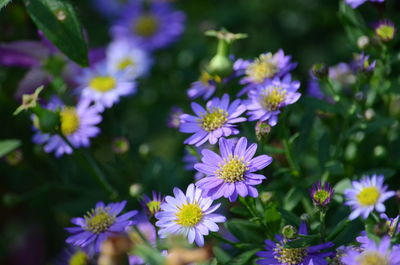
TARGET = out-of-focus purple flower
(110,8)
(73,255)
(321,195)
(189,214)
(392,222)
(366,195)
(373,253)
(78,124)
(148,230)
(342,73)
(266,100)
(174,117)
(361,63)
(25,54)
(232,172)
(385,30)
(266,67)
(103,221)
(152,27)
(214,122)
(357,3)
(314,89)
(275,252)
(205,86)
(152,205)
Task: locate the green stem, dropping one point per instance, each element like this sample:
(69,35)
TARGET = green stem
(253,212)
(289,156)
(322,214)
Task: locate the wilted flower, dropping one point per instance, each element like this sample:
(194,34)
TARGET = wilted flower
(152,205)
(98,224)
(190,214)
(357,3)
(321,195)
(266,100)
(367,195)
(385,30)
(151,28)
(174,117)
(214,122)
(205,86)
(231,173)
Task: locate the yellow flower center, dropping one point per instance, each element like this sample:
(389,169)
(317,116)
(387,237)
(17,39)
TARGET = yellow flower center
(368,196)
(290,256)
(99,220)
(321,196)
(102,83)
(232,169)
(385,32)
(146,26)
(214,119)
(273,98)
(78,258)
(262,67)
(189,215)
(372,258)
(124,63)
(69,121)
(153,206)
(205,78)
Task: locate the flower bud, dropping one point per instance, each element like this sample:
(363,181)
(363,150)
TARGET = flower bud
(321,195)
(265,196)
(220,65)
(120,145)
(362,42)
(385,30)
(135,190)
(320,70)
(49,121)
(289,232)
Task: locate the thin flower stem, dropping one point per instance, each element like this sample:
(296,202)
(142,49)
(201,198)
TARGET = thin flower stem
(289,156)
(253,212)
(322,214)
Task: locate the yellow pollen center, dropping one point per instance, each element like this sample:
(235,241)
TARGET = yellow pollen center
(214,119)
(153,206)
(205,78)
(102,83)
(372,258)
(78,258)
(290,256)
(321,196)
(124,63)
(232,169)
(262,67)
(99,220)
(368,196)
(273,98)
(69,121)
(146,26)
(189,215)
(385,32)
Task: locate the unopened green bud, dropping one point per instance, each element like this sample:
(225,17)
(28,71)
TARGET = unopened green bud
(135,190)
(289,232)
(265,196)
(120,145)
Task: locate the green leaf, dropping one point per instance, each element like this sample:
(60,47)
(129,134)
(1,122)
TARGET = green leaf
(289,217)
(245,231)
(3,3)
(57,20)
(221,255)
(304,241)
(244,258)
(6,146)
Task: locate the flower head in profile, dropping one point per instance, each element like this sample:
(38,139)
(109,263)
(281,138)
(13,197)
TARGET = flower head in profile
(361,63)
(373,253)
(77,123)
(391,223)
(174,117)
(366,195)
(231,173)
(276,253)
(103,87)
(152,27)
(321,195)
(266,66)
(152,205)
(205,86)
(217,120)
(385,30)
(265,101)
(357,3)
(189,214)
(100,223)
(126,58)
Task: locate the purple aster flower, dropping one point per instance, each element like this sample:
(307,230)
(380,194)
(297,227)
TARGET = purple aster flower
(266,100)
(321,195)
(152,205)
(267,66)
(373,253)
(174,117)
(110,8)
(189,214)
(385,30)
(342,73)
(77,123)
(103,87)
(357,3)
(151,28)
(205,86)
(361,63)
(102,222)
(218,120)
(367,195)
(277,254)
(392,223)
(232,172)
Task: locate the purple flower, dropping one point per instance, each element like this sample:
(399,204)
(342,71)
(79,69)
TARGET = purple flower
(73,255)
(232,172)
(361,63)
(357,3)
(267,66)
(190,214)
(385,30)
(367,195)
(277,254)
(392,222)
(342,73)
(151,28)
(110,8)
(266,100)
(218,120)
(97,225)
(205,86)
(321,195)
(373,253)
(174,117)
(77,123)
(152,206)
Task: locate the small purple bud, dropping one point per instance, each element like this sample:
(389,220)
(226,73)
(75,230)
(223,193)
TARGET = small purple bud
(321,195)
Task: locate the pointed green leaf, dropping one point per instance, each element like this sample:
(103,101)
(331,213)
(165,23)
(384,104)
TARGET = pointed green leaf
(3,3)
(6,146)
